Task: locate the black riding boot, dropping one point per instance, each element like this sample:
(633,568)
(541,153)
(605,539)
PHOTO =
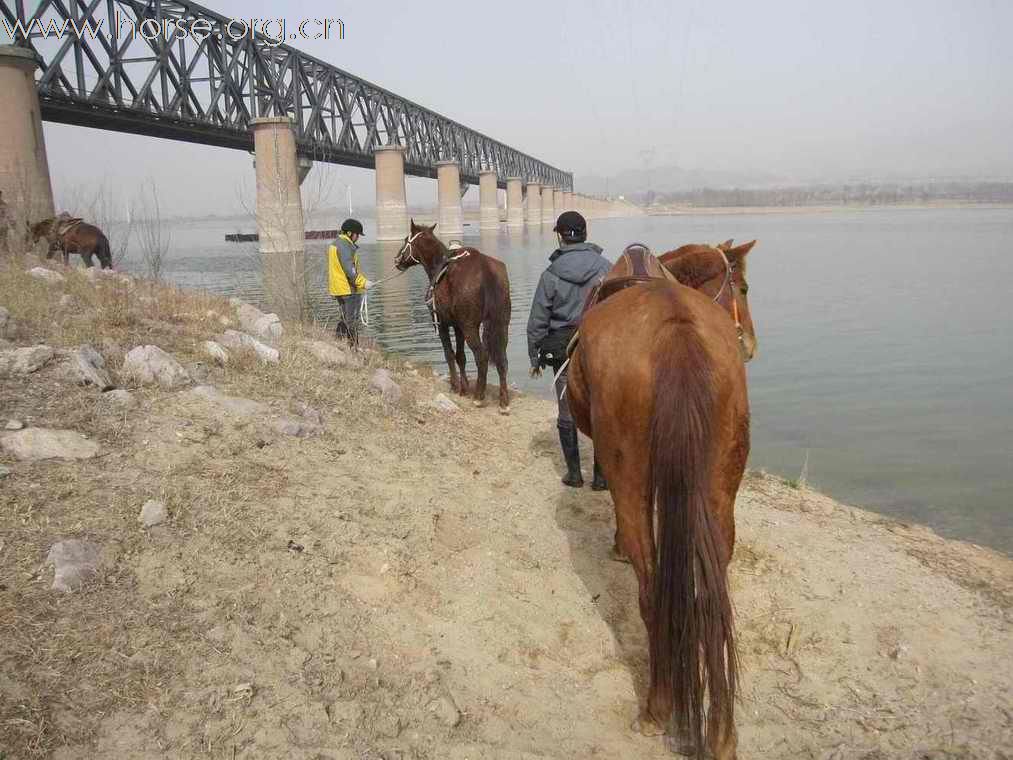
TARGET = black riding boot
(599,483)
(571,453)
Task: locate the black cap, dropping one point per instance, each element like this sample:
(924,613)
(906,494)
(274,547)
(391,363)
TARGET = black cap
(570,222)
(352,225)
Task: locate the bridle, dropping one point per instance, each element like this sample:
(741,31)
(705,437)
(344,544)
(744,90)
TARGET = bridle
(411,251)
(727,285)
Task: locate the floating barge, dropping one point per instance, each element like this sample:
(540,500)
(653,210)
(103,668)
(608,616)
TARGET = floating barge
(253,237)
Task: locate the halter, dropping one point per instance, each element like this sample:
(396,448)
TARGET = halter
(729,275)
(411,251)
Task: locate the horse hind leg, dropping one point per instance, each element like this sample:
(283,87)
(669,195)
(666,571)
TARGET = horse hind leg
(87,260)
(448,353)
(482,362)
(635,539)
(504,388)
(462,362)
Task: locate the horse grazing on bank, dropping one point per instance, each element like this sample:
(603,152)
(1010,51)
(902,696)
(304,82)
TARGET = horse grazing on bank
(658,381)
(72,235)
(469,292)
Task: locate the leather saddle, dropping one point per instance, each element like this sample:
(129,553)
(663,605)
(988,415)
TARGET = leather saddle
(637,265)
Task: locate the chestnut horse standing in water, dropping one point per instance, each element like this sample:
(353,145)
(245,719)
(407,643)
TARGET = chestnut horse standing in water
(69,235)
(470,293)
(658,381)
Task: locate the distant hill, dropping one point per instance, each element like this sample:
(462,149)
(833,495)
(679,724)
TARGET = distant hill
(674,179)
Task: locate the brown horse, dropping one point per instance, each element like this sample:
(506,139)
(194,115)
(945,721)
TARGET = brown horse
(70,235)
(658,381)
(469,292)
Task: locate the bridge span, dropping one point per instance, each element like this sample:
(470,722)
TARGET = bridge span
(110,64)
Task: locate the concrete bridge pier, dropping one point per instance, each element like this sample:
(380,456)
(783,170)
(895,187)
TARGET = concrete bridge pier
(488,201)
(548,206)
(568,201)
(391,206)
(448,181)
(280,216)
(515,200)
(534,204)
(24,168)
(557,201)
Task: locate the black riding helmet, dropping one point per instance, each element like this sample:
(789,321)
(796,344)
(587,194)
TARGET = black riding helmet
(352,225)
(571,226)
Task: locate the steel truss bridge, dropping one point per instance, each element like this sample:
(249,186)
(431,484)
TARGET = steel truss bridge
(206,88)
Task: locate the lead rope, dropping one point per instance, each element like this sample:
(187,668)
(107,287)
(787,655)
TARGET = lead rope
(364,306)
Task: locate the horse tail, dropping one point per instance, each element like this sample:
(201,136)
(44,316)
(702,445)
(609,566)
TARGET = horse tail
(103,251)
(693,625)
(495,311)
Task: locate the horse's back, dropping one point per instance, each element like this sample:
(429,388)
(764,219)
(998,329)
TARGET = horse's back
(634,329)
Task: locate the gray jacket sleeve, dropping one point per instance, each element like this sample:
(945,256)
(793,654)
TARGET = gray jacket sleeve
(541,311)
(346,257)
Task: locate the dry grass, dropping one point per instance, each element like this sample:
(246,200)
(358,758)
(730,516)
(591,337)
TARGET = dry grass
(68,662)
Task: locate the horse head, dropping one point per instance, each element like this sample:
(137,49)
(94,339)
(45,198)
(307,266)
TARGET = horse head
(421,246)
(42,229)
(720,273)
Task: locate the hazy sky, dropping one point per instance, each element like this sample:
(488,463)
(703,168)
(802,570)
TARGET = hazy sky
(801,89)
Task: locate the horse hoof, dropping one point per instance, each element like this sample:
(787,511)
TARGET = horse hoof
(647,727)
(505,411)
(617,556)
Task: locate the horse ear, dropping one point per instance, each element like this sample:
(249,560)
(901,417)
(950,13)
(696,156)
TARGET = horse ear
(413,224)
(727,245)
(433,228)
(740,251)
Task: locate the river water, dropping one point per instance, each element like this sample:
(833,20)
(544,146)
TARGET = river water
(885,364)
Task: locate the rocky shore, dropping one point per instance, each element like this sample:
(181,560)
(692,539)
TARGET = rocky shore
(222,536)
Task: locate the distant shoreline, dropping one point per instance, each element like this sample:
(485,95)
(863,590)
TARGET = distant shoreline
(718,210)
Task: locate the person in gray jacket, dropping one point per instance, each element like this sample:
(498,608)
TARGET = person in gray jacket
(575,267)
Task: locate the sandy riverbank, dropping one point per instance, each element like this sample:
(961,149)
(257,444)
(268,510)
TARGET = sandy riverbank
(443,597)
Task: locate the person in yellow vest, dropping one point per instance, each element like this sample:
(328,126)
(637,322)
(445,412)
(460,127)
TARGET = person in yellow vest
(345,279)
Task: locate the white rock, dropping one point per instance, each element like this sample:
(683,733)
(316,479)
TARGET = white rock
(46,274)
(295,427)
(383,381)
(240,407)
(445,709)
(34,444)
(443,403)
(268,326)
(6,323)
(150,364)
(24,361)
(215,351)
(75,561)
(14,425)
(153,513)
(121,398)
(236,339)
(255,321)
(88,367)
(326,353)
(4,471)
(310,413)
